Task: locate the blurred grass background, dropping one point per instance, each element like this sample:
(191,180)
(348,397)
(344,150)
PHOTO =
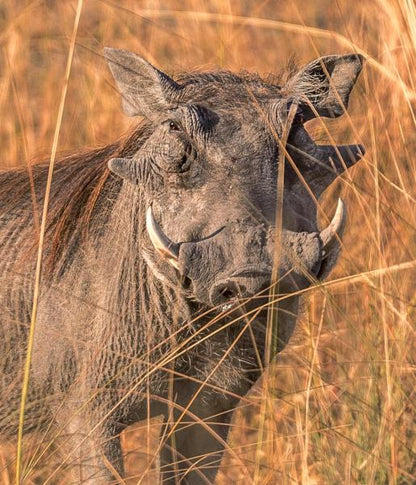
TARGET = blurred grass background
(341,397)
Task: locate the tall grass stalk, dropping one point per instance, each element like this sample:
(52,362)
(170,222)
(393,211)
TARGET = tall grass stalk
(38,273)
(337,405)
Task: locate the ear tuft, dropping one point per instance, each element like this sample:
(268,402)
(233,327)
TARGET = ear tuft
(145,90)
(324,85)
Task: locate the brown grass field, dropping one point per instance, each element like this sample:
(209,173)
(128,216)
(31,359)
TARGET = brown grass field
(339,404)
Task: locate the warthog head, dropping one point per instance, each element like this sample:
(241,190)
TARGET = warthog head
(209,172)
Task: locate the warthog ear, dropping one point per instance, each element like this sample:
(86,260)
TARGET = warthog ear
(145,90)
(323,86)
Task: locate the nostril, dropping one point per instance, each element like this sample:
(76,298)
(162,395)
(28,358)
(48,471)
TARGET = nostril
(227,293)
(224,292)
(186,282)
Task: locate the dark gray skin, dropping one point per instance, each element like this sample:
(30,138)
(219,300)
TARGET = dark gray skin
(133,302)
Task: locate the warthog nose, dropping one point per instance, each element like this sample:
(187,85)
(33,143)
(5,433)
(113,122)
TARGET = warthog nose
(225,291)
(232,288)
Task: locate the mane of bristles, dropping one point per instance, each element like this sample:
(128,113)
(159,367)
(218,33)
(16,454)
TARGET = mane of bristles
(221,77)
(82,182)
(96,251)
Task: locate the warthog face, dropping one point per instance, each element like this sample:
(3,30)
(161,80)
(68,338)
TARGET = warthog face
(209,173)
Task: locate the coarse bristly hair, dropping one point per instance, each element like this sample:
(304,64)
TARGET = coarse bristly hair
(95,253)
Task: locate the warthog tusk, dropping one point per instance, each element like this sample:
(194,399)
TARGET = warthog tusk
(163,245)
(331,234)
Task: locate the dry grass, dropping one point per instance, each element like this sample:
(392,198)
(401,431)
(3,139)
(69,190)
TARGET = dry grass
(340,406)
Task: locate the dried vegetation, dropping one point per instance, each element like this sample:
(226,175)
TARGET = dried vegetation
(338,405)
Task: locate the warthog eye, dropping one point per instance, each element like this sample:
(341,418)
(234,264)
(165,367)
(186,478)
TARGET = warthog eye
(173,126)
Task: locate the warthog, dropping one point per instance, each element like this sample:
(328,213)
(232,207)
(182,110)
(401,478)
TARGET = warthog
(157,271)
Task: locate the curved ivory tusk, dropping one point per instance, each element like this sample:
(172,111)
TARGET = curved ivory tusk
(335,228)
(163,245)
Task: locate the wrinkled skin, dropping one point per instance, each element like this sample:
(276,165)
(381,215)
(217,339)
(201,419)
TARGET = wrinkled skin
(215,151)
(208,175)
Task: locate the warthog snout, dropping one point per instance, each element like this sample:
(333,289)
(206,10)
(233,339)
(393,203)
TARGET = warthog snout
(229,290)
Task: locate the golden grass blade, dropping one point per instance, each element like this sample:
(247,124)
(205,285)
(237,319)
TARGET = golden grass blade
(342,396)
(26,375)
(277,25)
